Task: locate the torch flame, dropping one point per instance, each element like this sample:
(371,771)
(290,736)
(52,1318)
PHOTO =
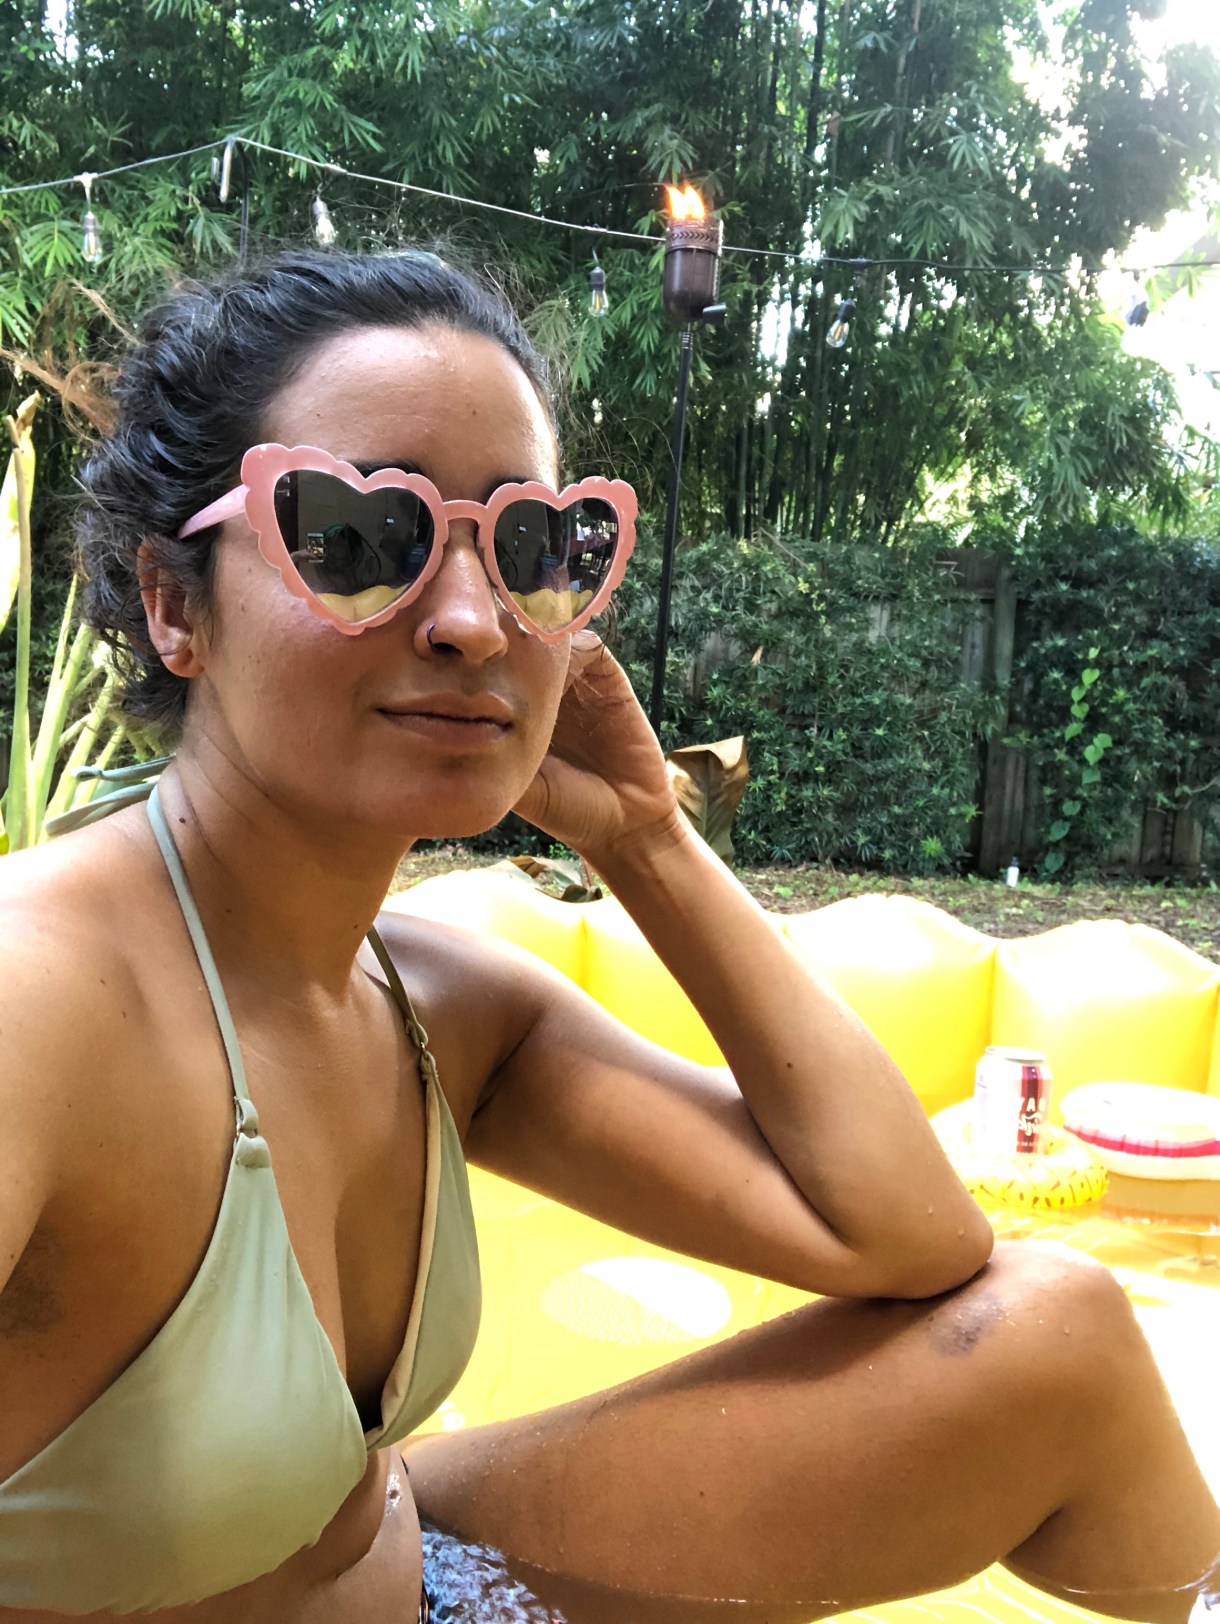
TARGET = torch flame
(685,204)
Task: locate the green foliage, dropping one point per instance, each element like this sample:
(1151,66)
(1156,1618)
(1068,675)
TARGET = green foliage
(1119,656)
(876,128)
(842,671)
(41,780)
(1003,406)
(1089,769)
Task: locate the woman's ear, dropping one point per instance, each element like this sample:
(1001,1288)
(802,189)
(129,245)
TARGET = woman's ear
(170,629)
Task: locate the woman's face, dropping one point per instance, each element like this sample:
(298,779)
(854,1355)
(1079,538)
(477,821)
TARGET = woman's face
(347,730)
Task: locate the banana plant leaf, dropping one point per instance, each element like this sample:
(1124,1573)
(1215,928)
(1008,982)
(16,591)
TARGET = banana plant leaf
(38,787)
(19,813)
(21,436)
(575,882)
(708,781)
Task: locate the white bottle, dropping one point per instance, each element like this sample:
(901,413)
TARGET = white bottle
(1012,873)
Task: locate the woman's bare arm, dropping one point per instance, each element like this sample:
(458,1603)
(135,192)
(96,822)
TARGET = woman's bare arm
(830,1112)
(40,1060)
(826,1097)
(561,1097)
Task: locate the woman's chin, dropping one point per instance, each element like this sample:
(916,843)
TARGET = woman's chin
(459,823)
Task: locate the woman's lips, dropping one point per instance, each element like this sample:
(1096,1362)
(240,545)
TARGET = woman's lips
(466,732)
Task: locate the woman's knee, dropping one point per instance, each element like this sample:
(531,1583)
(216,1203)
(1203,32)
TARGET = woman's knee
(1035,1275)
(1055,1312)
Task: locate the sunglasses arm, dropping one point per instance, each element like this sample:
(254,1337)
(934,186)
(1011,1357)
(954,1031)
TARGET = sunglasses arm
(226,507)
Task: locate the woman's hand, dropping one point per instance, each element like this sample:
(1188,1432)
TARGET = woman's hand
(603,779)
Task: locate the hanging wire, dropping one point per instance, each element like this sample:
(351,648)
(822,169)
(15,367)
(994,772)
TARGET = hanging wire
(814,261)
(119,169)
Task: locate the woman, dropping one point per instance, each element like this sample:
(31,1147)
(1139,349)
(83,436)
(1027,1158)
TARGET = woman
(235,1242)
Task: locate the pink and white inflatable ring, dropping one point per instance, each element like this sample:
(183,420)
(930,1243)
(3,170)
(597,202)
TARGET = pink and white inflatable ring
(1147,1132)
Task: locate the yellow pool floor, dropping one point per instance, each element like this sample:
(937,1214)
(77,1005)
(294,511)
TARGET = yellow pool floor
(571,1306)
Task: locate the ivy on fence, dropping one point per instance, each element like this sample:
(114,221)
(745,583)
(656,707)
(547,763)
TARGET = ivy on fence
(842,667)
(1118,683)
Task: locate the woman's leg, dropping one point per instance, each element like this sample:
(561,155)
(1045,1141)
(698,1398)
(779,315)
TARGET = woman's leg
(855,1452)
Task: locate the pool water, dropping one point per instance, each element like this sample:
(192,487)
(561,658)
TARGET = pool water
(572,1306)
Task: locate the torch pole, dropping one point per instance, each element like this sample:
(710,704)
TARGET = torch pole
(657,702)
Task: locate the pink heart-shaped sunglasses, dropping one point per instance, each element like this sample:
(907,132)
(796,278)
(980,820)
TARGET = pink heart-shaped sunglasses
(357,548)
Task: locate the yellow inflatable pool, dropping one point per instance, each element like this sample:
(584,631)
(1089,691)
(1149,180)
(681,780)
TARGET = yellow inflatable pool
(572,1306)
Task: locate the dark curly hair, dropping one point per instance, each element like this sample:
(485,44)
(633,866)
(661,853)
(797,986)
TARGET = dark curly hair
(189,400)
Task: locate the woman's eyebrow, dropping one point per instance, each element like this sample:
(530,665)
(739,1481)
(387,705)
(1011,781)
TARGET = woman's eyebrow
(510,479)
(367,468)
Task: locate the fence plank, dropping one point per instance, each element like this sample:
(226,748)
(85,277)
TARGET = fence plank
(1003,773)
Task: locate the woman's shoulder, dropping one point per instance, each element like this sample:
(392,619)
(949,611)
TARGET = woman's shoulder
(475,995)
(67,910)
(68,982)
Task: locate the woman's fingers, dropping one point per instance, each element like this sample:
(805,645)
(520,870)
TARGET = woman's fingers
(583,651)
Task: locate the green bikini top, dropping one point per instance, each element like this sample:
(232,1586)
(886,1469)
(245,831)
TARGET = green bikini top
(232,1439)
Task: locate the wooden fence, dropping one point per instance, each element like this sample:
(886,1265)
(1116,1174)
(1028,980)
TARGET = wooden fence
(1010,824)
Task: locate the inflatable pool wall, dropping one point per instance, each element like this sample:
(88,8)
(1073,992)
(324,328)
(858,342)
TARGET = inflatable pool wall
(571,1306)
(1104,1000)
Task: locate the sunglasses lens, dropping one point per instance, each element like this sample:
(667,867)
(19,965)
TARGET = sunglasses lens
(359,551)
(554,560)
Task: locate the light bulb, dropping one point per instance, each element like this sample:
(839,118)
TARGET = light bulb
(598,303)
(226,172)
(91,236)
(91,241)
(323,226)
(841,327)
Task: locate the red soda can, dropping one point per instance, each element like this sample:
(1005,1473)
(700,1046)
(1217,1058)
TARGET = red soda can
(1011,1097)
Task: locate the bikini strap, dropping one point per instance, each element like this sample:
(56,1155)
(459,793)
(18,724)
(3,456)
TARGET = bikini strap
(402,998)
(134,784)
(247,1116)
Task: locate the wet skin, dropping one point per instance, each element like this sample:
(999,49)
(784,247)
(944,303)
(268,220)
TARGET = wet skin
(311,761)
(957,1411)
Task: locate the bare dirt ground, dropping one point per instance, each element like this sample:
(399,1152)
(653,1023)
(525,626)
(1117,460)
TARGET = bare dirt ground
(1190,914)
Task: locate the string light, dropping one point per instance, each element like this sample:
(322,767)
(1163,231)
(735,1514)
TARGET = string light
(814,262)
(598,303)
(323,226)
(1135,314)
(840,329)
(222,170)
(91,237)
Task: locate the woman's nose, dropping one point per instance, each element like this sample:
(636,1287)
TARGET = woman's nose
(458,611)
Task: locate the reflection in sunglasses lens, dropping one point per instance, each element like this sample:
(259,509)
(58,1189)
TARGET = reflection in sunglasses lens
(554,560)
(358,550)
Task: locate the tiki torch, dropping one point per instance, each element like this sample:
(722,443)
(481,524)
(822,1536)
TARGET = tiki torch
(691,290)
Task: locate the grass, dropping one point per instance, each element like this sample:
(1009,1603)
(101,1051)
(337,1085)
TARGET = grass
(1189,914)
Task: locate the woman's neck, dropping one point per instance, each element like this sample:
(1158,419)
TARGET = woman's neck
(288,898)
